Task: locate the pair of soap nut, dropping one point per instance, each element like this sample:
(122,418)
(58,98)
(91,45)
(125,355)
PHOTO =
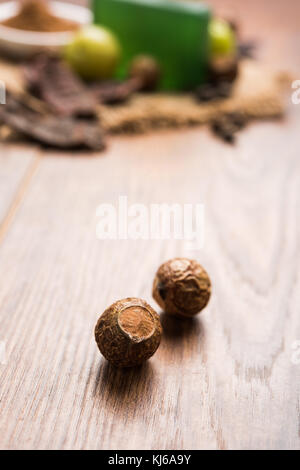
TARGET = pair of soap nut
(129,331)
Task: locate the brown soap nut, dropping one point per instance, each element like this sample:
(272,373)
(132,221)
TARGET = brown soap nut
(223,69)
(182,287)
(146,70)
(128,332)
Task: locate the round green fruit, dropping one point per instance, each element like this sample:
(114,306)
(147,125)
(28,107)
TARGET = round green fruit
(222,38)
(94,53)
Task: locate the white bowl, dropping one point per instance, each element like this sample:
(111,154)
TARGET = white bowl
(21,44)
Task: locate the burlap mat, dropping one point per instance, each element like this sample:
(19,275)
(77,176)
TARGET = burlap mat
(258,93)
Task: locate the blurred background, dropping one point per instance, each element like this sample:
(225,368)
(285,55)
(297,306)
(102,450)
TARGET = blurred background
(262,19)
(275,22)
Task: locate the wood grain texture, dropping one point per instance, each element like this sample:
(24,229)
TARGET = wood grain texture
(16,168)
(222,381)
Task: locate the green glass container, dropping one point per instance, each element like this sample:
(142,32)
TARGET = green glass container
(174,33)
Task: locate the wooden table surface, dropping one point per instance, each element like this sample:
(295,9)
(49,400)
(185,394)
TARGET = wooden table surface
(223,381)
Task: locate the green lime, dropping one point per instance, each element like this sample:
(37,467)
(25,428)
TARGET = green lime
(94,53)
(222,38)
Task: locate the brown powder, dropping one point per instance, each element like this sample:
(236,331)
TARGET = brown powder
(34,15)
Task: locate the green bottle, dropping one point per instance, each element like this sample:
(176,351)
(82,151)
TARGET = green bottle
(174,33)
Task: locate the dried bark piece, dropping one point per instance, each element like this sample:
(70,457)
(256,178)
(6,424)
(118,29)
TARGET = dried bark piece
(114,92)
(211,92)
(227,126)
(247,49)
(144,75)
(128,332)
(182,287)
(53,81)
(48,129)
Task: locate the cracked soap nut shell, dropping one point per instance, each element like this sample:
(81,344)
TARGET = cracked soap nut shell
(128,332)
(146,69)
(182,287)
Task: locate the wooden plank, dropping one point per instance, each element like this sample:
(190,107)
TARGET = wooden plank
(17,165)
(225,380)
